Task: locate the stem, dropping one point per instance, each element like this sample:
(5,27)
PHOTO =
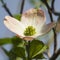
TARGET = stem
(29,50)
(6,8)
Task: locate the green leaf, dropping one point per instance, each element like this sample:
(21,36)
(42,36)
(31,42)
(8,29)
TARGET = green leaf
(17,41)
(12,56)
(40,56)
(5,41)
(6,52)
(36,47)
(13,40)
(16,52)
(17,16)
(18,58)
(19,52)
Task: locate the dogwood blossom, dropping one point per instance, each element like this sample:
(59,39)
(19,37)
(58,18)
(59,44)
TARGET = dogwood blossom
(32,24)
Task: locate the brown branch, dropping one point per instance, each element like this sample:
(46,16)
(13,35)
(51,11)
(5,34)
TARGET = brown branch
(6,8)
(55,55)
(22,6)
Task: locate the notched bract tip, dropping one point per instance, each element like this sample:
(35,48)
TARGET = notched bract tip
(6,17)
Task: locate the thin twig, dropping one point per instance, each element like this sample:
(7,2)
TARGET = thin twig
(55,55)
(50,11)
(55,39)
(55,36)
(53,11)
(50,14)
(22,6)
(52,4)
(6,8)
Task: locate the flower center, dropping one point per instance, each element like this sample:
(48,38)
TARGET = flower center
(29,31)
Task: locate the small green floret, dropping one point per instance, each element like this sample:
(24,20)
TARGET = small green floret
(29,31)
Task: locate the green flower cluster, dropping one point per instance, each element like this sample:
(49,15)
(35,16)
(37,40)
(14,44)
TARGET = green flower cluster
(29,31)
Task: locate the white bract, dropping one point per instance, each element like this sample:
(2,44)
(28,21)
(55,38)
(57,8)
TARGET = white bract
(31,26)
